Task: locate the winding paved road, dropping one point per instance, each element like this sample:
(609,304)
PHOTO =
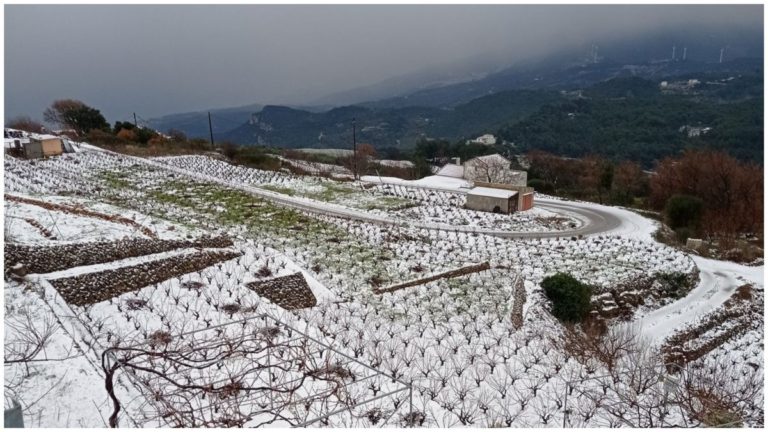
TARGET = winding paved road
(594,221)
(718,278)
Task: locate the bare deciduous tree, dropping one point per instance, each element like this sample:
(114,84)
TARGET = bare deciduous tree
(25,123)
(27,336)
(248,377)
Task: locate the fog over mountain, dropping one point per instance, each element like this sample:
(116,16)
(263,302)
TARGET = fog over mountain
(155,60)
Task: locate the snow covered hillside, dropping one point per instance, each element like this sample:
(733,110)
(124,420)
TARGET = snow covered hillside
(208,294)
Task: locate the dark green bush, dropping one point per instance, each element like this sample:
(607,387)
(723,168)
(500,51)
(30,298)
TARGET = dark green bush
(570,298)
(541,186)
(682,234)
(675,284)
(683,211)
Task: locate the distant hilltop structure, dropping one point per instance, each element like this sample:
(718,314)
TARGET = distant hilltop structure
(694,131)
(487,139)
(685,86)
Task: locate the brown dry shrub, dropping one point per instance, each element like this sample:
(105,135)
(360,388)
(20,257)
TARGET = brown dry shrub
(264,271)
(192,285)
(334,370)
(127,134)
(375,281)
(135,304)
(160,337)
(230,308)
(230,390)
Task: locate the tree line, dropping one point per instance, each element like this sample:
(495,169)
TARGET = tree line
(630,119)
(700,193)
(78,120)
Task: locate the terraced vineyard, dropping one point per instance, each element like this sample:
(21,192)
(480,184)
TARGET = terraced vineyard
(234,309)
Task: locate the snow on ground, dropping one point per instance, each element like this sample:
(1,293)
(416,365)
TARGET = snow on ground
(435,181)
(386,201)
(64,227)
(317,168)
(449,337)
(633,225)
(395,163)
(62,387)
(718,281)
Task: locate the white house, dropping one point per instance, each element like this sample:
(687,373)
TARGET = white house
(494,168)
(486,139)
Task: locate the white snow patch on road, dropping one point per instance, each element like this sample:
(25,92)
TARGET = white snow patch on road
(718,281)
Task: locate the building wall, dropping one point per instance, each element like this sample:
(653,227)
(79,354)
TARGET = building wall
(522,192)
(527,202)
(33,150)
(37,149)
(482,203)
(474,172)
(52,147)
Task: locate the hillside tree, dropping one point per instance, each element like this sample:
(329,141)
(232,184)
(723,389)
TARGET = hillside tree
(74,114)
(25,123)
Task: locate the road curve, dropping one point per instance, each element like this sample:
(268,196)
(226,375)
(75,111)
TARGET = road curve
(594,221)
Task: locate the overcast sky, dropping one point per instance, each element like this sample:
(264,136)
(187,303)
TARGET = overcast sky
(156,60)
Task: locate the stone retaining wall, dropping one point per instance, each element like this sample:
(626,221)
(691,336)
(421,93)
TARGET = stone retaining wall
(96,287)
(518,302)
(742,313)
(47,259)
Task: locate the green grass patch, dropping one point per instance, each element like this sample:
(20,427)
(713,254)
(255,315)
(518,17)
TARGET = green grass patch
(333,248)
(279,189)
(389,203)
(331,192)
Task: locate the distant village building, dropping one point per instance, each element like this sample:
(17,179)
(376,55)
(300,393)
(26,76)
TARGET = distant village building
(678,86)
(494,168)
(486,139)
(694,131)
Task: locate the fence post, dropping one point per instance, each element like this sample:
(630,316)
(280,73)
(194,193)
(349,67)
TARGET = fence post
(565,404)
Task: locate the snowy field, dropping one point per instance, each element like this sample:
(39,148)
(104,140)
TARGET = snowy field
(479,350)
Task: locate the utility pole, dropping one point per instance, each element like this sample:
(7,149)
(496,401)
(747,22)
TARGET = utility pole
(134,120)
(210,127)
(354,150)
